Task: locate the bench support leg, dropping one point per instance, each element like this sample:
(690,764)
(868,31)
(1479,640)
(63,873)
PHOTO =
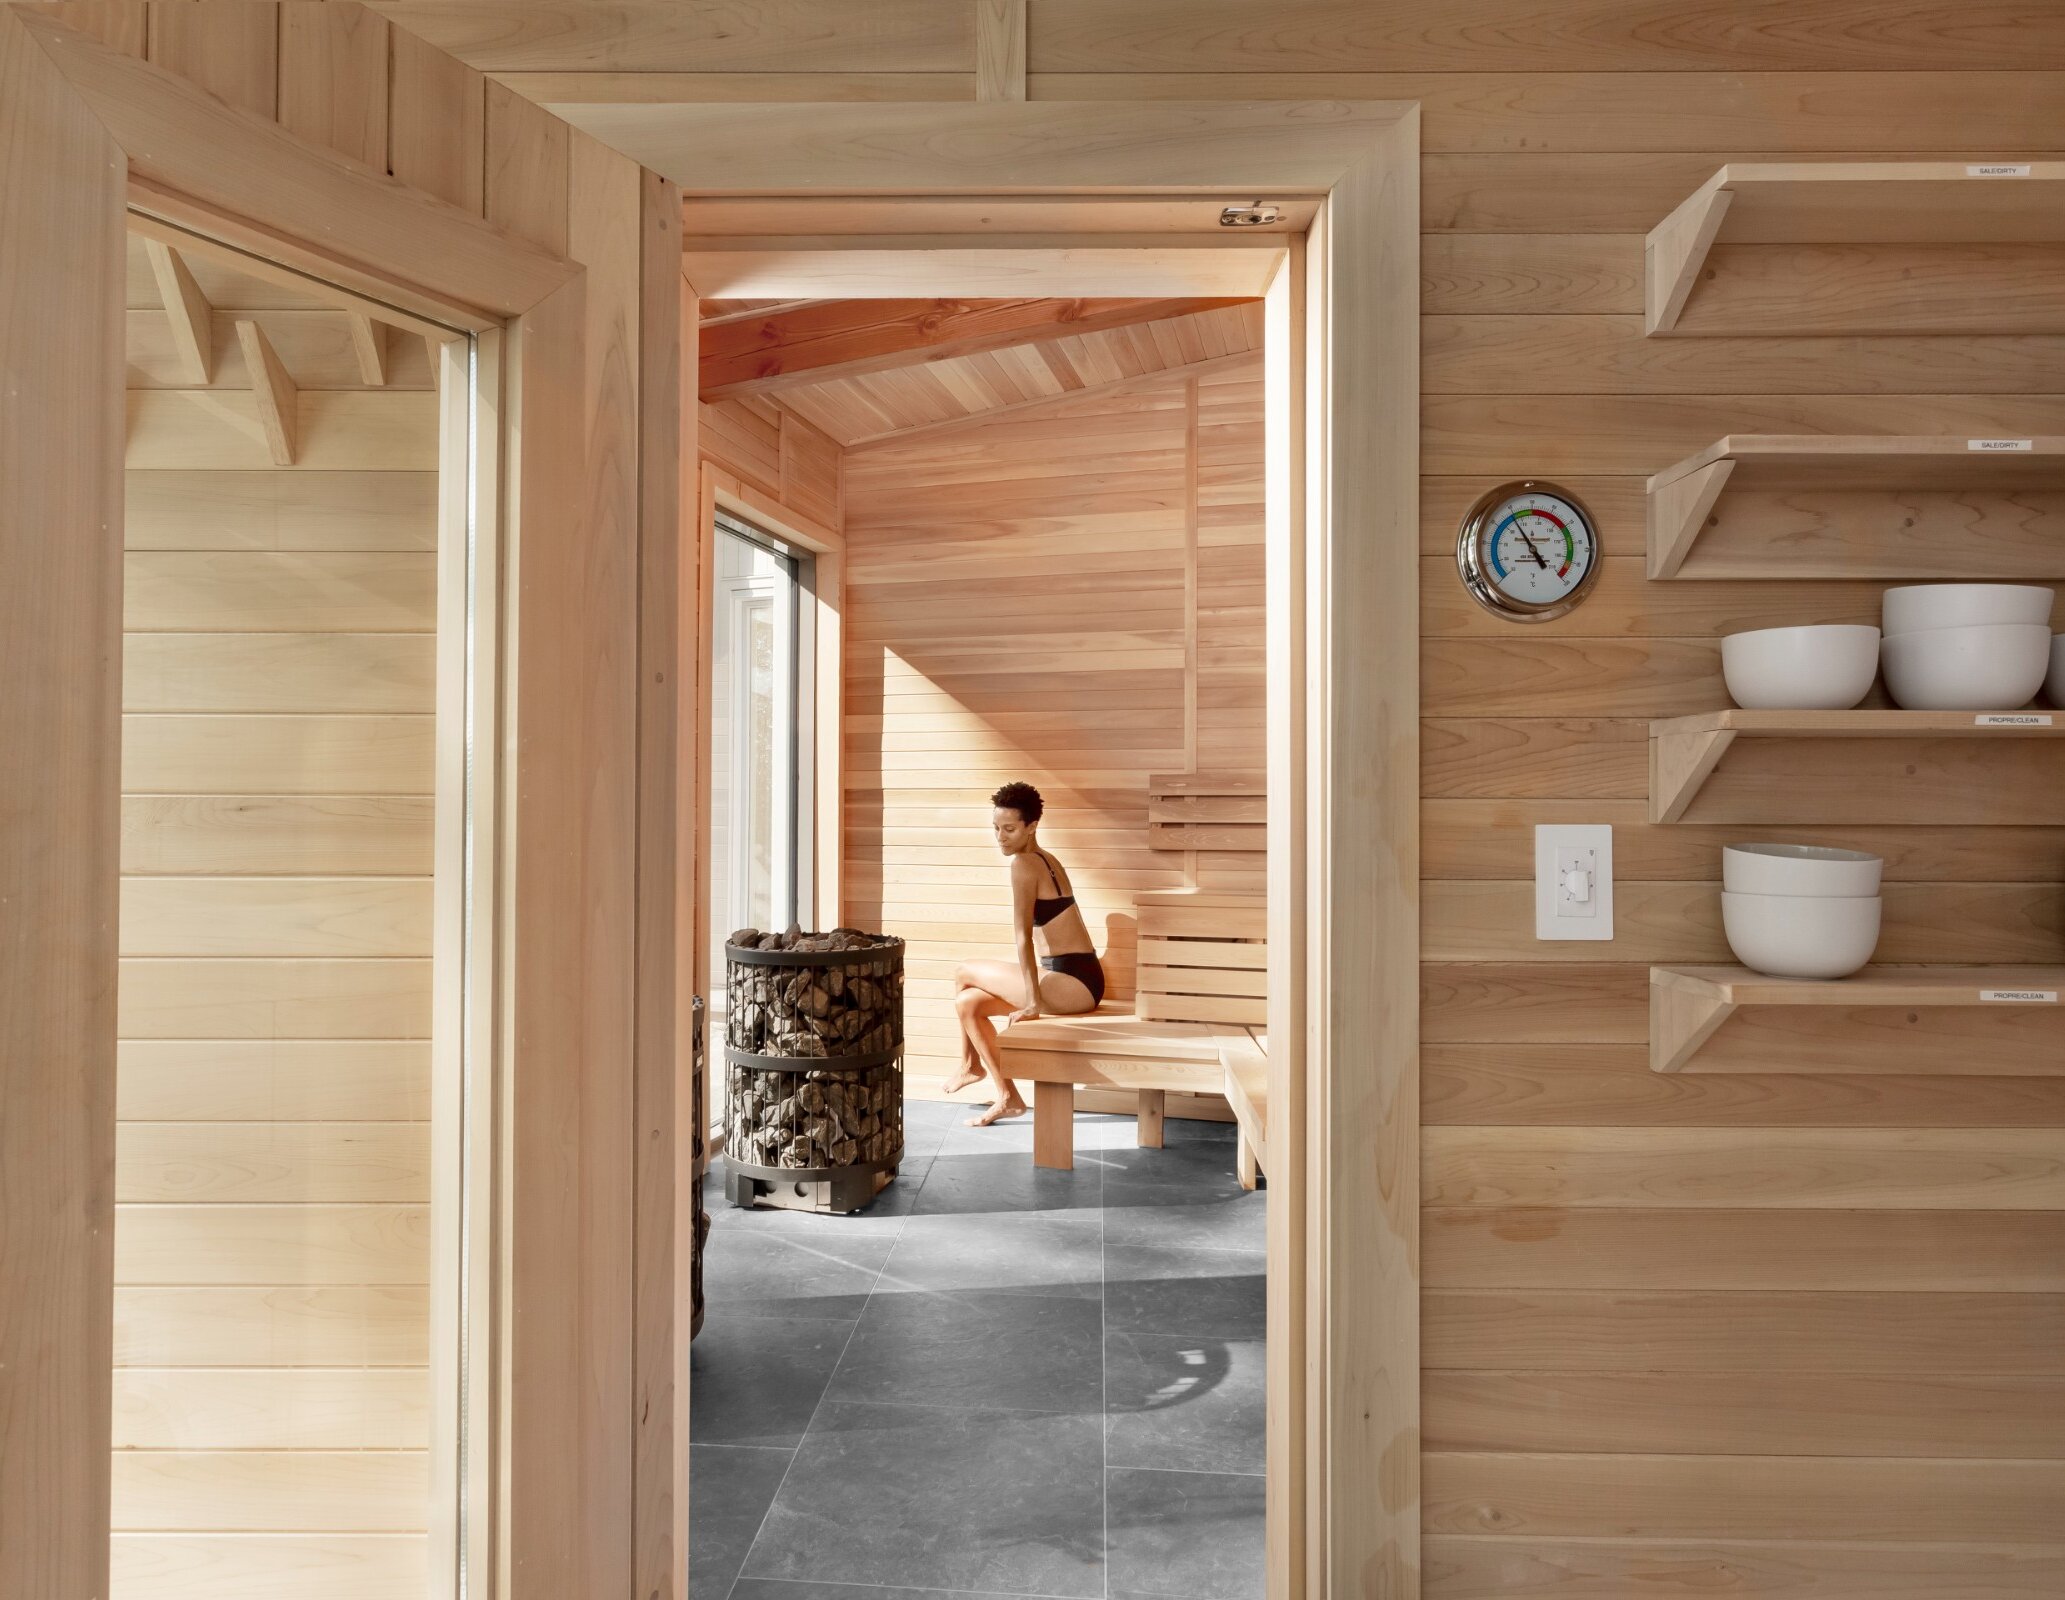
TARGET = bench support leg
(1150,1131)
(1244,1164)
(1054,1125)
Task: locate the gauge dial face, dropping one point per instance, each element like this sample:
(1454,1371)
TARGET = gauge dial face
(1527,551)
(1538,547)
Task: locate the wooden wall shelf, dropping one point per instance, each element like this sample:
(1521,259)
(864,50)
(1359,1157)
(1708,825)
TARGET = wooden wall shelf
(1687,1005)
(1848,202)
(1683,751)
(1682,497)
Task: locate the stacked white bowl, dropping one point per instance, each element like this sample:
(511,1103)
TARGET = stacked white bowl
(1800,910)
(1966,646)
(1827,667)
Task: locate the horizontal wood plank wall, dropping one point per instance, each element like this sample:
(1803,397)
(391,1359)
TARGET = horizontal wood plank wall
(1074,600)
(775,453)
(272,1167)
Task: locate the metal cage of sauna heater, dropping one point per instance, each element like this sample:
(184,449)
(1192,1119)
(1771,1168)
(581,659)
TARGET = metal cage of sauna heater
(814,1069)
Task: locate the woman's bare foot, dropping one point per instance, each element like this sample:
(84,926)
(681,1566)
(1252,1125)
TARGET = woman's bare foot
(1009,1106)
(960,1079)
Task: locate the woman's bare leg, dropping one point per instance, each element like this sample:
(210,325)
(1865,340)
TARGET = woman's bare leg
(976,1007)
(999,978)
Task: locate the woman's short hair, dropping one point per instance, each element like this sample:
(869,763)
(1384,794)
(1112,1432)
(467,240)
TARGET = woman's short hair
(1022,798)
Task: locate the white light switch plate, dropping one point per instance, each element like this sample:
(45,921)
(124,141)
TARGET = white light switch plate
(1573,881)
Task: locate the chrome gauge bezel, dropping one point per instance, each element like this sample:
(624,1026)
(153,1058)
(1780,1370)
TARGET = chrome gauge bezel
(1472,545)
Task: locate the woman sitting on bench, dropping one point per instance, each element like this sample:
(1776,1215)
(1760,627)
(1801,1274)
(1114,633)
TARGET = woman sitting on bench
(1066,980)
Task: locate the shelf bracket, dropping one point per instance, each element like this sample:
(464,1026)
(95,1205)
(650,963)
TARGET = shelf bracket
(1682,1017)
(369,346)
(1678,511)
(278,398)
(192,318)
(1677,248)
(1678,764)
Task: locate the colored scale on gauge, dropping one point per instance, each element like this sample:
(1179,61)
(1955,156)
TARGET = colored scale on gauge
(1569,544)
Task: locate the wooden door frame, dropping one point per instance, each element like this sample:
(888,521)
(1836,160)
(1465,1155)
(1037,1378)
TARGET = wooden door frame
(89,137)
(1342,654)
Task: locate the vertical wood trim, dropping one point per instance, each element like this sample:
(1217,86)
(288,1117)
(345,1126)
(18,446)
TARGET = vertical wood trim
(62,182)
(1364,954)
(333,77)
(1000,49)
(450,979)
(546,1032)
(828,728)
(436,114)
(605,232)
(705,585)
(662,1220)
(232,51)
(1190,647)
(1285,658)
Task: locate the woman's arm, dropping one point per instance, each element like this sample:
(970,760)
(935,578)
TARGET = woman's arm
(1025,888)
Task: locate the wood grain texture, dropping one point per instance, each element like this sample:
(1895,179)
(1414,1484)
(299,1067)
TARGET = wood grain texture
(810,36)
(436,133)
(1222,36)
(1471,1567)
(61,178)
(1683,1496)
(230,51)
(333,77)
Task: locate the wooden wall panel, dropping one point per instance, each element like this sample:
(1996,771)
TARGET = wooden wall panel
(1073,599)
(272,1171)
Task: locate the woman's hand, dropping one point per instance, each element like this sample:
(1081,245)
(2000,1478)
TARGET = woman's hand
(1024,1013)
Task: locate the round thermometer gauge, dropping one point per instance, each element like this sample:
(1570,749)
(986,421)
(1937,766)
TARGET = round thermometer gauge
(1528,551)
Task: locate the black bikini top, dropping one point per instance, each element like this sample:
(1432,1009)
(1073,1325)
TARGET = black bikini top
(1046,909)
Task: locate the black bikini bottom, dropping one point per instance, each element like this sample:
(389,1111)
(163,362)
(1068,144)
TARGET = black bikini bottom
(1084,967)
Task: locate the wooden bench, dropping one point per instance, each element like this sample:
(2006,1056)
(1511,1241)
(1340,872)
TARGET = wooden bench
(1202,986)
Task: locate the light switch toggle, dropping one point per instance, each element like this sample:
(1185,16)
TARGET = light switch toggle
(1573,877)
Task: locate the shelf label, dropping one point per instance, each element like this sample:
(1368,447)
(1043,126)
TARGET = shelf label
(2000,444)
(2038,997)
(2000,169)
(2012,719)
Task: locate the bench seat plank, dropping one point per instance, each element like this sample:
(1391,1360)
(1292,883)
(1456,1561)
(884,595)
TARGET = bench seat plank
(1111,1033)
(1246,1065)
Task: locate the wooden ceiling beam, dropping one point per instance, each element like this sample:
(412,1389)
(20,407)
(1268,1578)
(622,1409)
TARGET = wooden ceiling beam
(844,338)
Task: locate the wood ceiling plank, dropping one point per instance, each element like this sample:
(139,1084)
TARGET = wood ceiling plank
(754,355)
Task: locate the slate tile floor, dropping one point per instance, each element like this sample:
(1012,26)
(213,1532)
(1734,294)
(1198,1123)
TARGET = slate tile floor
(997,1381)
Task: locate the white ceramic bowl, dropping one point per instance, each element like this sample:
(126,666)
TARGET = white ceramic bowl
(1801,936)
(1916,608)
(2054,685)
(1823,668)
(1800,869)
(1992,668)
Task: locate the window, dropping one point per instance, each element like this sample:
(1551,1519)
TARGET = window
(759,744)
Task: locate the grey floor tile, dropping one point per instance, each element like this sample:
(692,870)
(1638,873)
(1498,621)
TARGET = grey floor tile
(1193,1534)
(1173,1401)
(1184,1194)
(1019,1254)
(977,1182)
(770,1589)
(730,1489)
(756,1380)
(995,1501)
(976,1348)
(824,1271)
(1217,1294)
